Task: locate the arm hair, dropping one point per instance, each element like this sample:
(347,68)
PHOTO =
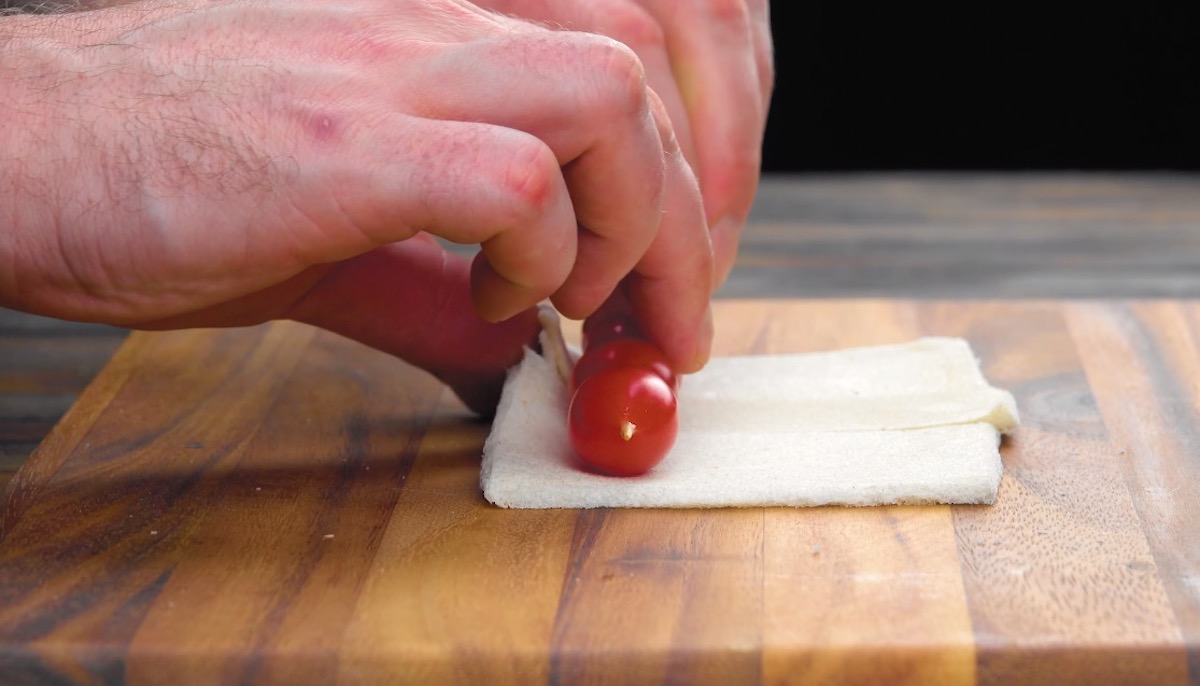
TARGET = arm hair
(53,6)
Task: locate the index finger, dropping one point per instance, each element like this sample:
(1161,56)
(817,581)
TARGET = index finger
(671,286)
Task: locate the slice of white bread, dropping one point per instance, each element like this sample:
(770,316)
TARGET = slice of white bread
(909,423)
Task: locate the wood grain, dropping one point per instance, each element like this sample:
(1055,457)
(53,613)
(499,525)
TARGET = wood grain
(1143,362)
(277,505)
(44,365)
(1030,235)
(1039,566)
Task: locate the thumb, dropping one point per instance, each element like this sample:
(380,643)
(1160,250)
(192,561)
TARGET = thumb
(413,300)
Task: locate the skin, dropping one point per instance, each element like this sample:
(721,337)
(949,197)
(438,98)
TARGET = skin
(711,62)
(223,163)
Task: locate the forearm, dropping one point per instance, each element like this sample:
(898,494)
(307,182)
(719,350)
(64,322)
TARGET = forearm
(34,6)
(53,6)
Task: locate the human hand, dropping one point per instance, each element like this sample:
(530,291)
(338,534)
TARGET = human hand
(223,163)
(711,63)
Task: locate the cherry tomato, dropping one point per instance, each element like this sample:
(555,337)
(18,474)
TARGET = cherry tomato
(623,420)
(623,352)
(606,327)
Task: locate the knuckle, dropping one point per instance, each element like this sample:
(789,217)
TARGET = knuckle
(528,180)
(635,27)
(729,12)
(372,47)
(622,83)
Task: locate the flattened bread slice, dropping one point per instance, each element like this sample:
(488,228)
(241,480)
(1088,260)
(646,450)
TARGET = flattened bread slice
(909,423)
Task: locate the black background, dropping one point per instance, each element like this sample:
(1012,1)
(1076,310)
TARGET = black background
(985,87)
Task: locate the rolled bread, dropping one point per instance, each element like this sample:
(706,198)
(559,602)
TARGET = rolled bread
(909,423)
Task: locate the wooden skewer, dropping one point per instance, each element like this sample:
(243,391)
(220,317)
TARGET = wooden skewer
(548,317)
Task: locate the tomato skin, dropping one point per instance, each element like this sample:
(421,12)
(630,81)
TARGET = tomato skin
(623,352)
(623,421)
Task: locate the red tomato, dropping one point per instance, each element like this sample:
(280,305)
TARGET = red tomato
(606,327)
(623,420)
(623,352)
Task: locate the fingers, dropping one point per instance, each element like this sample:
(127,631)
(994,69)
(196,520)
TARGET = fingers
(466,182)
(623,185)
(635,199)
(592,110)
(763,47)
(721,58)
(409,299)
(670,287)
(677,317)
(711,63)
(627,22)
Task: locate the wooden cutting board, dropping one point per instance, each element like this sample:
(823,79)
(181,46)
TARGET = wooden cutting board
(278,505)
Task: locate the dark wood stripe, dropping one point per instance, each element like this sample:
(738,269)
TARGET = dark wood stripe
(103,547)
(654,585)
(44,365)
(1034,562)
(1136,352)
